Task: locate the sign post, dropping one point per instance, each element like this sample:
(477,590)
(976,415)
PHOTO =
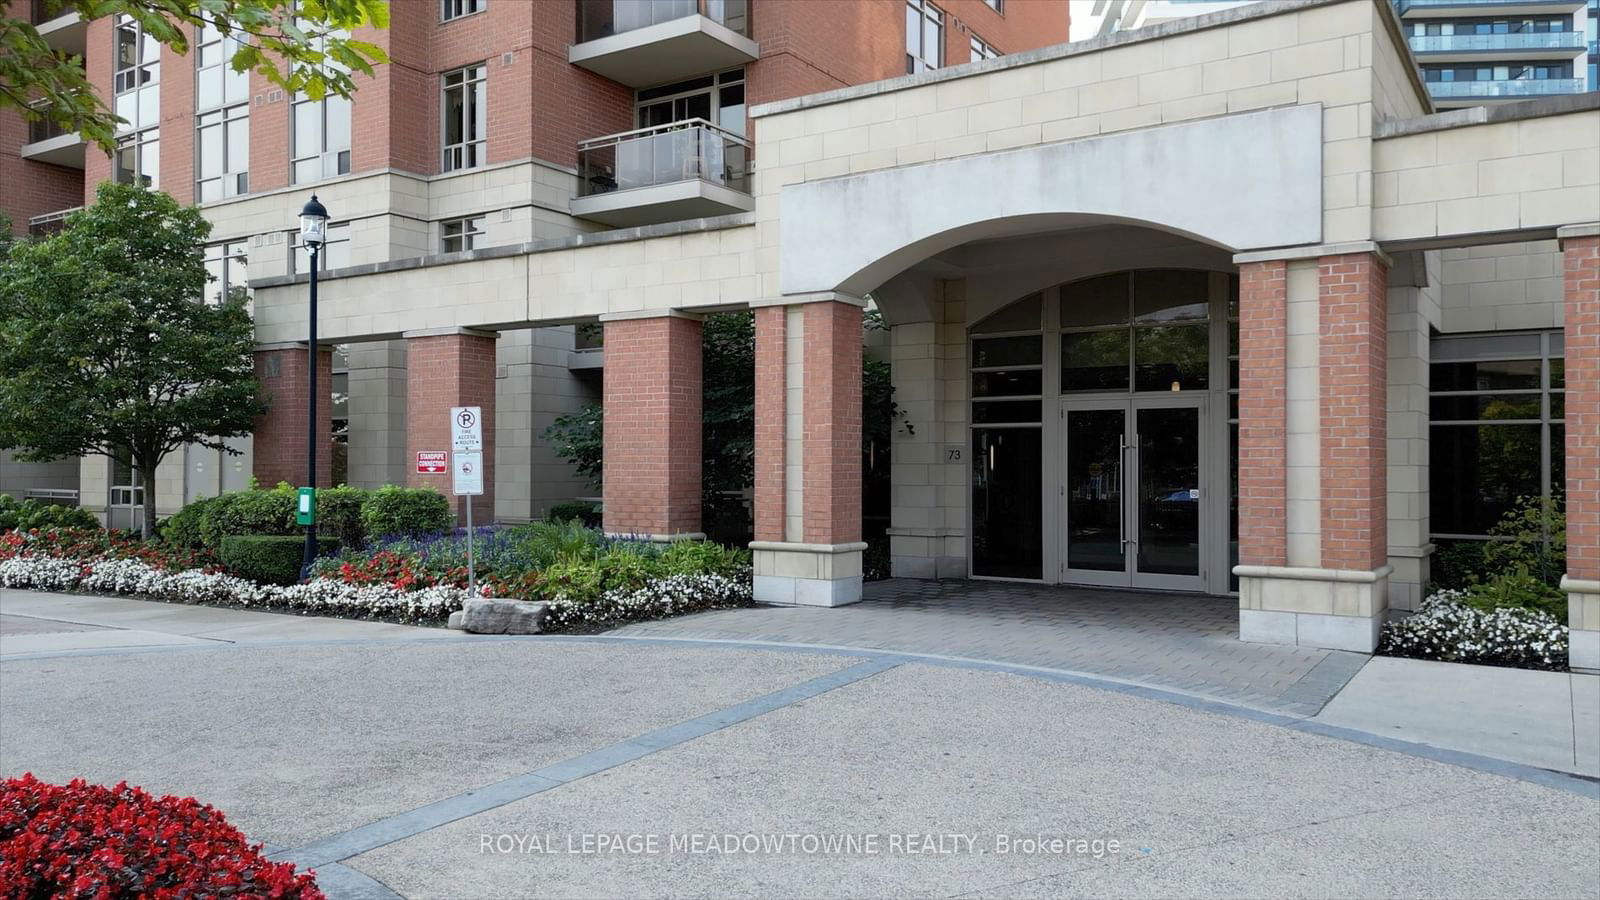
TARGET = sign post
(466,467)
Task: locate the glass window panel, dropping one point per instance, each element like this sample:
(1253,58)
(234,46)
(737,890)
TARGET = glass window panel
(211,151)
(1558,458)
(913,31)
(1023,315)
(992,412)
(1558,369)
(307,134)
(1169,491)
(1477,472)
(1558,406)
(1006,351)
(1094,484)
(1094,361)
(307,170)
(149,106)
(338,123)
(932,43)
(239,145)
(1095,301)
(127,45)
(1473,348)
(235,85)
(454,101)
(210,89)
(1496,375)
(1483,406)
(1169,295)
(128,108)
(150,163)
(1007,503)
(1171,357)
(1010,383)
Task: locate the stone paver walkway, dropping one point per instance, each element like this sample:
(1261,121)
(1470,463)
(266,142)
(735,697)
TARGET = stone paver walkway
(1179,642)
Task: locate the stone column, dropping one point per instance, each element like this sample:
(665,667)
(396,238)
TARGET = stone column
(278,448)
(1580,250)
(1313,505)
(1413,311)
(448,367)
(653,398)
(808,430)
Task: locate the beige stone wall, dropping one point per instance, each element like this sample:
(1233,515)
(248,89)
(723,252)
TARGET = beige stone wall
(17,478)
(536,387)
(1502,287)
(1523,175)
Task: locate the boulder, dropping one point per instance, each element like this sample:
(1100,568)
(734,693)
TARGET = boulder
(484,615)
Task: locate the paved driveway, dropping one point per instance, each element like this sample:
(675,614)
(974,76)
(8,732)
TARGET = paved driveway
(436,767)
(1179,642)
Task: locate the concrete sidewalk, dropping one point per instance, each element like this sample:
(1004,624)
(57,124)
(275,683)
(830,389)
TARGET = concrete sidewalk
(38,622)
(1545,719)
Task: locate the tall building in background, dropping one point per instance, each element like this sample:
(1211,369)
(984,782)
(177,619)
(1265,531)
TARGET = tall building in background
(497,123)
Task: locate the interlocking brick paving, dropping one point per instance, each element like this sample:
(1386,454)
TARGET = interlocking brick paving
(1182,642)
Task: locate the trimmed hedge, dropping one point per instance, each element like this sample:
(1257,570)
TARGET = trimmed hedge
(270,559)
(393,511)
(576,510)
(339,513)
(248,512)
(184,528)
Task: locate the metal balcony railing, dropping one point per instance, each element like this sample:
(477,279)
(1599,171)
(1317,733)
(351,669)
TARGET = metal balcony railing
(1517,87)
(1524,40)
(50,223)
(603,18)
(664,154)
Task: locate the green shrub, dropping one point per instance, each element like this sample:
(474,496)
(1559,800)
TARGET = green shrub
(702,558)
(582,511)
(1532,536)
(543,543)
(27,515)
(270,559)
(572,578)
(626,567)
(339,513)
(251,512)
(184,527)
(1518,589)
(393,511)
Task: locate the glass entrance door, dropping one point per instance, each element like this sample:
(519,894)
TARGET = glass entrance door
(1131,495)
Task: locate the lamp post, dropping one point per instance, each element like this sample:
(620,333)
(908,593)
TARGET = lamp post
(313,233)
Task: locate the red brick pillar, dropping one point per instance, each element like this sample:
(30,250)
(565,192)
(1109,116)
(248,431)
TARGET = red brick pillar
(770,423)
(278,450)
(1263,452)
(1581,256)
(653,397)
(1354,349)
(808,454)
(445,368)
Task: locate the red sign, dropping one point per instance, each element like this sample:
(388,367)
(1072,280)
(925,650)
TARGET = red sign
(432,462)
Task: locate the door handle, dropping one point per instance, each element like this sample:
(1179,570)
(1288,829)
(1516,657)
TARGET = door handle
(1122,495)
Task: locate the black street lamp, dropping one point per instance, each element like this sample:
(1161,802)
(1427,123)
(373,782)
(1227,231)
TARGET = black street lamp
(313,233)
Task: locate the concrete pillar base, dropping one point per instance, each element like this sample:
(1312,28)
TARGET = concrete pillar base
(793,574)
(1583,624)
(1333,609)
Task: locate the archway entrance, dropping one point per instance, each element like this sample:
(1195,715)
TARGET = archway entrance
(1102,423)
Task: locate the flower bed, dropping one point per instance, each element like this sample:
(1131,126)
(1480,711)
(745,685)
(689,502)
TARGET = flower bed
(85,840)
(1447,628)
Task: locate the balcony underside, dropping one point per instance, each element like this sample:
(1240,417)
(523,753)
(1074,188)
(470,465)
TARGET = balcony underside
(61,150)
(1491,56)
(675,202)
(67,33)
(670,51)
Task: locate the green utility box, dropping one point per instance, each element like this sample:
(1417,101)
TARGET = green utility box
(305,507)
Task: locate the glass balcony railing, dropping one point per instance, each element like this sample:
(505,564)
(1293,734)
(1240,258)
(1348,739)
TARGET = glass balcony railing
(1519,87)
(603,18)
(665,154)
(1527,40)
(44,130)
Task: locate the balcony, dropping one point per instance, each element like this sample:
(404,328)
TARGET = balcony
(1472,92)
(641,43)
(1436,48)
(1432,9)
(49,223)
(48,143)
(684,170)
(65,32)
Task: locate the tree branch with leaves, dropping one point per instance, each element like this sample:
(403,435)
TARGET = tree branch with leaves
(303,46)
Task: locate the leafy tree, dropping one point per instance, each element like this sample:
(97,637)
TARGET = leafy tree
(107,347)
(300,45)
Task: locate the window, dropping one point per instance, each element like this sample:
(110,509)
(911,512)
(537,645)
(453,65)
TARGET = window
(458,235)
(321,138)
(335,253)
(137,80)
(465,118)
(1148,330)
(222,123)
(225,263)
(138,159)
(1497,426)
(980,50)
(719,100)
(998,6)
(924,36)
(455,9)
